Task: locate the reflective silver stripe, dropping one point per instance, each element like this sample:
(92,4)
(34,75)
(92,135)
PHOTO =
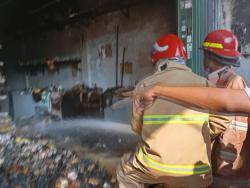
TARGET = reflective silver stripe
(170,168)
(239,125)
(225,155)
(175,119)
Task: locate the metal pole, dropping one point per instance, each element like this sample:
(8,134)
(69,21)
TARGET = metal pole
(123,55)
(117,53)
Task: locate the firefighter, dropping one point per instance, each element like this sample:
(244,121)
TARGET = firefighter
(214,99)
(175,145)
(220,50)
(220,54)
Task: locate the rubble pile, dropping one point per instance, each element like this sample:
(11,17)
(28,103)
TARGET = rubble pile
(26,163)
(5,123)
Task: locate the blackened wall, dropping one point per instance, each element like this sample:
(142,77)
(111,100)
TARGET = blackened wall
(137,32)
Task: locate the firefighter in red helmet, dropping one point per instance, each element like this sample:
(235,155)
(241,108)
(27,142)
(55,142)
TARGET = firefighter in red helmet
(220,50)
(175,143)
(229,132)
(169,46)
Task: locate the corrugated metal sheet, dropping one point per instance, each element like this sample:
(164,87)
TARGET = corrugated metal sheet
(206,16)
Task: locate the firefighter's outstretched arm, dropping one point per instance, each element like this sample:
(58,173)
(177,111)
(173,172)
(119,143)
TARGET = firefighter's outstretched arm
(214,99)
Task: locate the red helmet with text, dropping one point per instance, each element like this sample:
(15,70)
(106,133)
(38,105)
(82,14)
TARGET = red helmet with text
(168,47)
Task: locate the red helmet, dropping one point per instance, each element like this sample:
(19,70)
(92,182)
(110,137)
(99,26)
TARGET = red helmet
(222,43)
(168,46)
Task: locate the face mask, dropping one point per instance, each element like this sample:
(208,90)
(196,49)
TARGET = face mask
(215,76)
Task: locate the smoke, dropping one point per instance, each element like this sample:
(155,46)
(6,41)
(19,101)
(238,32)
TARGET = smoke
(227,9)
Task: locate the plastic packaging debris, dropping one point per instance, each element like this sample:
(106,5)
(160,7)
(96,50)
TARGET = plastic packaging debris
(106,185)
(61,183)
(38,164)
(72,175)
(5,123)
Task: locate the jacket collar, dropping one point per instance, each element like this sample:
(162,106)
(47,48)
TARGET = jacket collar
(172,65)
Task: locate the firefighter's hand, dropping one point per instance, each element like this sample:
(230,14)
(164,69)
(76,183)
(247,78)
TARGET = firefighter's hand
(124,92)
(142,98)
(145,95)
(127,94)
